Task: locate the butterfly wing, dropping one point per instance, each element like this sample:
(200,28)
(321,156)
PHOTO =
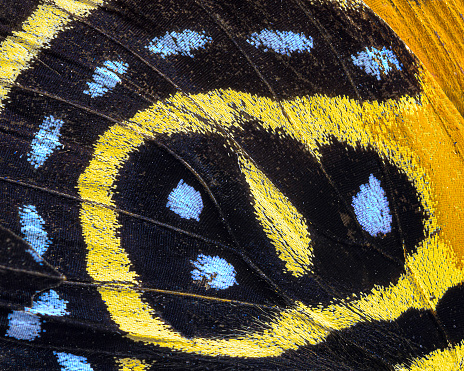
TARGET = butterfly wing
(433,31)
(227,185)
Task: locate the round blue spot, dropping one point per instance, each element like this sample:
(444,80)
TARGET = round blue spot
(376,62)
(175,43)
(282,42)
(371,208)
(185,201)
(217,272)
(23,326)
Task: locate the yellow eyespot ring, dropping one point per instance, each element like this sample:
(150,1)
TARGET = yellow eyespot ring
(381,125)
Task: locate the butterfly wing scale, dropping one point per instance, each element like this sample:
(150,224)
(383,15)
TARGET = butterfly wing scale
(226,185)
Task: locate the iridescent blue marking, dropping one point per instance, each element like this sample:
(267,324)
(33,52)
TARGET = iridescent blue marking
(49,303)
(282,42)
(377,62)
(185,201)
(71,362)
(32,227)
(23,326)
(106,78)
(371,208)
(217,272)
(175,43)
(45,141)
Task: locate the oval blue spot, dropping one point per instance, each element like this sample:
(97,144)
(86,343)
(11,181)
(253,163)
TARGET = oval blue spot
(282,42)
(371,208)
(71,362)
(45,141)
(376,62)
(49,303)
(23,326)
(106,78)
(185,201)
(32,227)
(174,43)
(217,272)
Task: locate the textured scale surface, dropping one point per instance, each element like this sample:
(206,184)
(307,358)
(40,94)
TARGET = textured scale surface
(231,185)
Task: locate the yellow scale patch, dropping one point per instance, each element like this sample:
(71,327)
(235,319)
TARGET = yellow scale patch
(131,364)
(281,221)
(447,359)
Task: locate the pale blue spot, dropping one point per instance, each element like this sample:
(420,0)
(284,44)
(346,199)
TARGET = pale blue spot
(371,208)
(183,43)
(185,201)
(49,303)
(23,326)
(106,78)
(377,62)
(70,362)
(32,227)
(217,272)
(282,42)
(45,141)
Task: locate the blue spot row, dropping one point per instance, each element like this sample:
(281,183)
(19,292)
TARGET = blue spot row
(32,227)
(185,201)
(216,271)
(106,78)
(27,325)
(45,141)
(71,362)
(371,208)
(178,43)
(187,41)
(376,62)
(282,42)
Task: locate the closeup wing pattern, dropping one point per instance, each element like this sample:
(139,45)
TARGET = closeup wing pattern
(226,185)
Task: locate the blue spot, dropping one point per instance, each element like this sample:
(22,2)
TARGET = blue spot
(70,362)
(371,208)
(32,227)
(50,304)
(185,201)
(174,43)
(376,62)
(45,141)
(106,78)
(23,326)
(282,42)
(217,272)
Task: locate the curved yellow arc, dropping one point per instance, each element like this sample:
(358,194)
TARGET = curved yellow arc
(426,275)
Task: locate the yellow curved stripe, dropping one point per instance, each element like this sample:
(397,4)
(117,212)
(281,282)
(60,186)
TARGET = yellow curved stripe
(407,131)
(288,331)
(433,30)
(19,50)
(449,359)
(281,221)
